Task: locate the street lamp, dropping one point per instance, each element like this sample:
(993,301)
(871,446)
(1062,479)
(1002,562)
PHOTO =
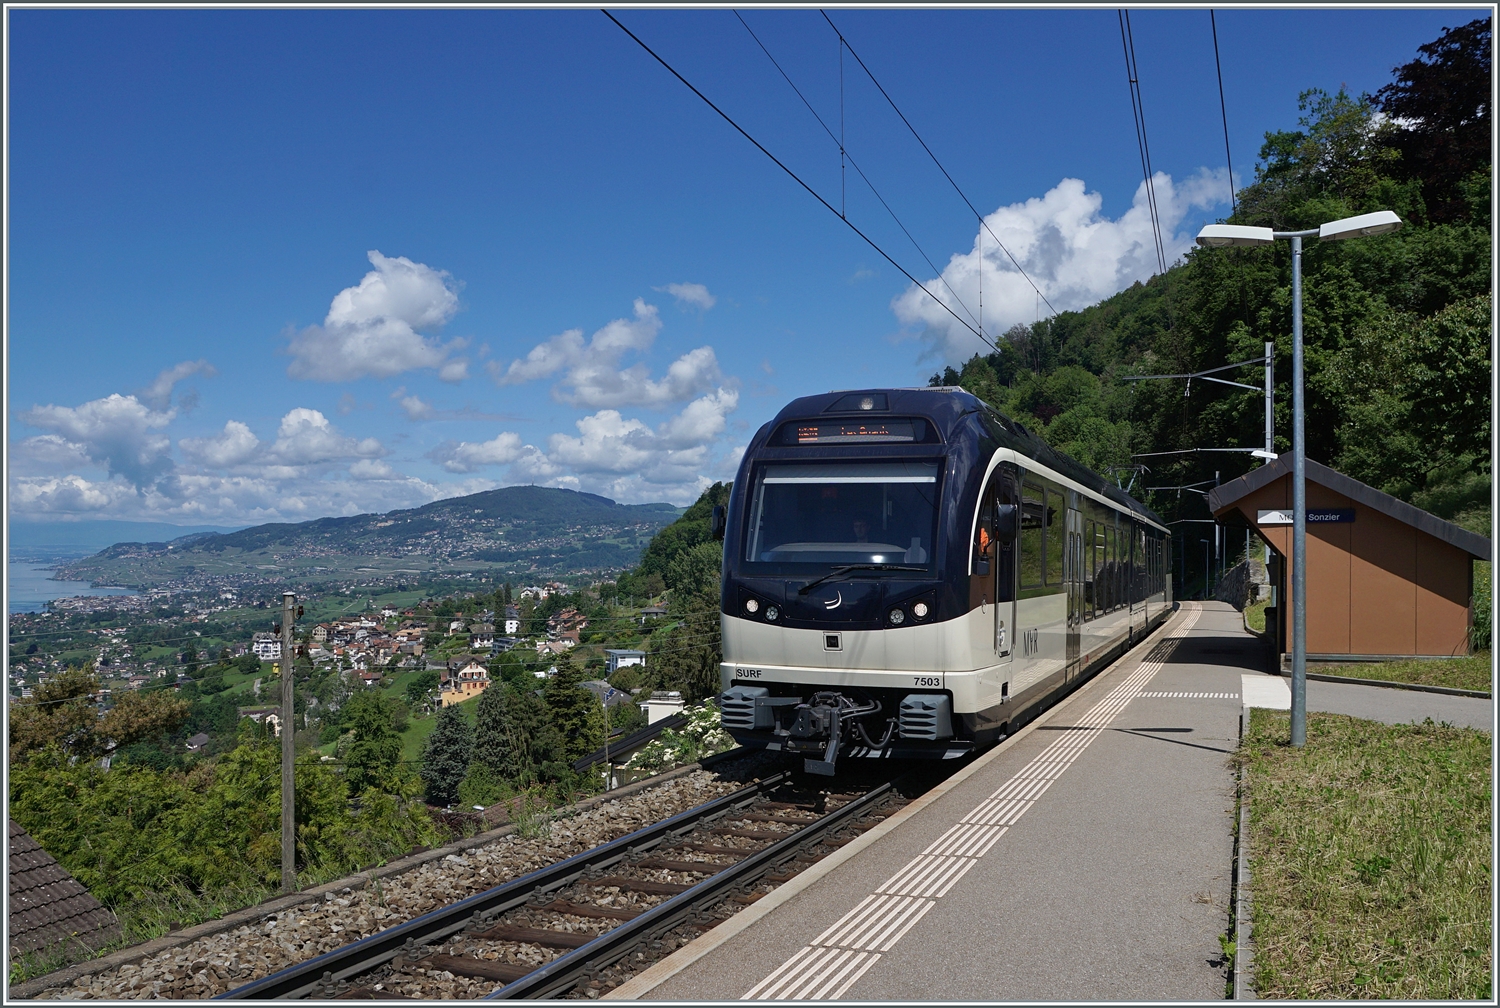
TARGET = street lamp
(1218,236)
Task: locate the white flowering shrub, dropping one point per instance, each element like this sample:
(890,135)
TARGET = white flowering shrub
(701,736)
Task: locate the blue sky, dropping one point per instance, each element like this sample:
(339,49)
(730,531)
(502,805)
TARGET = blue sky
(280,264)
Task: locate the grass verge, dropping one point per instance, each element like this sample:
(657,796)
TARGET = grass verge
(1370,859)
(1471,672)
(1255,615)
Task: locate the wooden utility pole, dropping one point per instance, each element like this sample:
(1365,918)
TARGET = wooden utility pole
(288,749)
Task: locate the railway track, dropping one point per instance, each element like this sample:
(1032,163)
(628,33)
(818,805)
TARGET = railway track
(585,924)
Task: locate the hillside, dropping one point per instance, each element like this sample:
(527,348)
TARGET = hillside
(524,531)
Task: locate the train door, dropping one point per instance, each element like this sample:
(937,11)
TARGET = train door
(1073,578)
(1004,493)
(992,587)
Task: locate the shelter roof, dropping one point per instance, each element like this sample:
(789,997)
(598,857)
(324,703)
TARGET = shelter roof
(1224,497)
(49,907)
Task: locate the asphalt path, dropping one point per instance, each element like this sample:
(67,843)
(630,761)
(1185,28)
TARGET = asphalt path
(1101,872)
(1399,706)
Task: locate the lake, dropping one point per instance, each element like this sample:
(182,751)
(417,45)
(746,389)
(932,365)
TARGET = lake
(31,586)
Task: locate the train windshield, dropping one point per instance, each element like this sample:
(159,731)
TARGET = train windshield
(832,513)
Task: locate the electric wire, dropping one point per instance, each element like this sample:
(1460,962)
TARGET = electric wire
(796,178)
(979,216)
(843,153)
(1223,112)
(1138,112)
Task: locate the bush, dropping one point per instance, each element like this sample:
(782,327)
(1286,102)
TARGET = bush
(701,736)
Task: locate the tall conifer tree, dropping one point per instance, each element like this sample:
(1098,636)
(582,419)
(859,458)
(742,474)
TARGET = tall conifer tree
(446,757)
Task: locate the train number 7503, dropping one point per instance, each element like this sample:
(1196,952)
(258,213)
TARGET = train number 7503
(927,681)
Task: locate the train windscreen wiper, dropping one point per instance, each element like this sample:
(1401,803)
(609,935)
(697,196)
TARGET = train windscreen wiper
(841,571)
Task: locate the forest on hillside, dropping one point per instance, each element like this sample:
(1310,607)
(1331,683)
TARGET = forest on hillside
(1396,327)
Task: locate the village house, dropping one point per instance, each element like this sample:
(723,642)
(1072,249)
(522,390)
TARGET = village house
(512,621)
(481,636)
(267,646)
(463,683)
(618,658)
(268,714)
(320,633)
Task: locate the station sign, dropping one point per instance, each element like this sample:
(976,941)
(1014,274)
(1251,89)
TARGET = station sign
(1321,516)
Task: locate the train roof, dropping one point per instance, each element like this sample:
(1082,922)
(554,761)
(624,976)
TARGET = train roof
(947,406)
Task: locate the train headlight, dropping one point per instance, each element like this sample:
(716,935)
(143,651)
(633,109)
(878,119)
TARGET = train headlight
(919,610)
(772,612)
(897,617)
(751,605)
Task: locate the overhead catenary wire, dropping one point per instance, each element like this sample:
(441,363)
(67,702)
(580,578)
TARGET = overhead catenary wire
(843,154)
(798,179)
(967,202)
(1138,113)
(1223,111)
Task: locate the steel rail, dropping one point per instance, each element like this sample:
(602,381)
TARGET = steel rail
(566,970)
(361,956)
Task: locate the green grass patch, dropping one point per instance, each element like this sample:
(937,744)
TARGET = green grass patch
(1255,615)
(1370,859)
(1471,672)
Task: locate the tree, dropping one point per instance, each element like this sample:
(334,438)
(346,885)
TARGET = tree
(372,758)
(1440,106)
(63,713)
(492,744)
(574,712)
(446,757)
(422,686)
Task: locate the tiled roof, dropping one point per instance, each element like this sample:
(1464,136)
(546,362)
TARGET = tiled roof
(48,907)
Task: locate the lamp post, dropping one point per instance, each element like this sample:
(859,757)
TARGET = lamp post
(1218,236)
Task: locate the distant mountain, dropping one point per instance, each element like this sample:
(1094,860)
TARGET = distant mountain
(525,531)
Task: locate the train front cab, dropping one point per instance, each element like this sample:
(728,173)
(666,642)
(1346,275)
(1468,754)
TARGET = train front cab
(992,582)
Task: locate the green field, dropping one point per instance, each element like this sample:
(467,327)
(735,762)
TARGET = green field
(1471,672)
(1370,854)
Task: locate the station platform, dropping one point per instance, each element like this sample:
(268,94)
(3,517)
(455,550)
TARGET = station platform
(1087,857)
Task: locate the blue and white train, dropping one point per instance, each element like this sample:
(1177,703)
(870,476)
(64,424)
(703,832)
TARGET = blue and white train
(910,574)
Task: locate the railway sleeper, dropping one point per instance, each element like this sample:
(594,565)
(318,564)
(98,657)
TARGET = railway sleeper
(750,834)
(484,969)
(646,886)
(698,867)
(546,937)
(589,910)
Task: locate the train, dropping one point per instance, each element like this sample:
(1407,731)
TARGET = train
(910,574)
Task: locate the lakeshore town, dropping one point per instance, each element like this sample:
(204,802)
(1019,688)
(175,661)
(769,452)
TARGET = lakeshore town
(204,643)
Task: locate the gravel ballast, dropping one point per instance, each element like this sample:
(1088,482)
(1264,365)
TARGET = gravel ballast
(216,963)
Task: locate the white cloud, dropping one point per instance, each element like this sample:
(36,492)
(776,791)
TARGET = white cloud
(117,432)
(466,456)
(694,294)
(47,453)
(235,446)
(158,394)
(455,370)
(621,457)
(1073,253)
(592,377)
(305,437)
(374,328)
(373,469)
(413,406)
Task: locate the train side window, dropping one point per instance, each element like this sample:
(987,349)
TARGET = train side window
(1056,540)
(1029,543)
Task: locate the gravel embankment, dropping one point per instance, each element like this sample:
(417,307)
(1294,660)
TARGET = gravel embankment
(219,962)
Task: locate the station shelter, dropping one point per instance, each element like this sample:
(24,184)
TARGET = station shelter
(1385,580)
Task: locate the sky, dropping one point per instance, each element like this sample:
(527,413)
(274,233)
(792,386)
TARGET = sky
(274,265)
